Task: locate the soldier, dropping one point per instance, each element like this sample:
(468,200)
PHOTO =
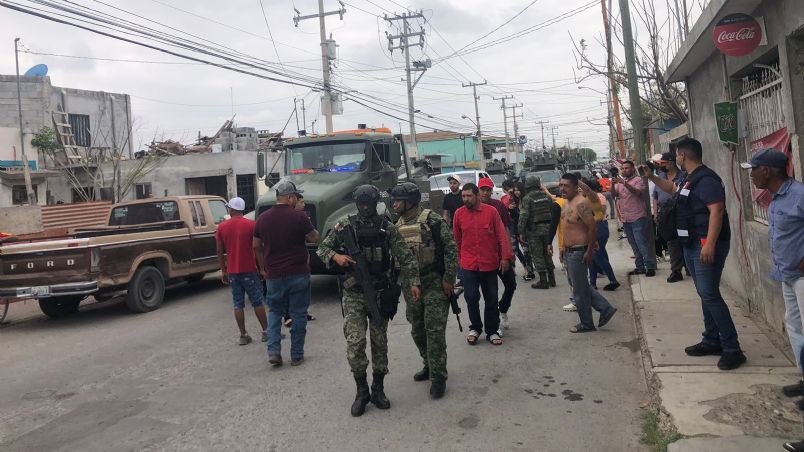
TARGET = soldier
(431,241)
(534,229)
(380,243)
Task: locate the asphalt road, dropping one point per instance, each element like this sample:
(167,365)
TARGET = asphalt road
(175,379)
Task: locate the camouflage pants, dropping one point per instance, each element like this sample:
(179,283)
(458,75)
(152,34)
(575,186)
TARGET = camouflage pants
(538,240)
(428,321)
(355,322)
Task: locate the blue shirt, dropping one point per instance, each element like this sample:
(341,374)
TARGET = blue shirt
(786,222)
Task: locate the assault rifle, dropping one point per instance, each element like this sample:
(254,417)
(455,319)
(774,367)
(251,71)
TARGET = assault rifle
(361,271)
(456,309)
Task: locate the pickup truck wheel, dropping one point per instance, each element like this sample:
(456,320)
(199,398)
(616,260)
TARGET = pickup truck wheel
(146,290)
(60,306)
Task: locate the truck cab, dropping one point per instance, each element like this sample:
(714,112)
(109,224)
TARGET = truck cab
(328,167)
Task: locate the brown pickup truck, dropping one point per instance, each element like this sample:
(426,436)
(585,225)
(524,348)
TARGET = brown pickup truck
(145,245)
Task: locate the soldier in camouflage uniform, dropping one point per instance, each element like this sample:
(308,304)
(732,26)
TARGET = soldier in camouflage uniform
(534,229)
(381,242)
(431,241)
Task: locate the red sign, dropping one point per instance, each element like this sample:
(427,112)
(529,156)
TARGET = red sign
(779,141)
(737,34)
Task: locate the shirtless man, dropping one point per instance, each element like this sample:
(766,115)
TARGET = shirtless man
(580,242)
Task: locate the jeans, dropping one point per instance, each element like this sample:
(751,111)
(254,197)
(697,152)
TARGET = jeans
(242,284)
(473,283)
(509,283)
(637,233)
(584,296)
(793,292)
(291,294)
(600,262)
(718,325)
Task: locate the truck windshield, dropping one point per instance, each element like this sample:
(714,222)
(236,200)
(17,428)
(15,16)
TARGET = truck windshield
(327,157)
(152,212)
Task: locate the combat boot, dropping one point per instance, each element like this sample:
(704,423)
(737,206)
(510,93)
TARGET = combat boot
(362,398)
(378,394)
(542,284)
(551,277)
(422,375)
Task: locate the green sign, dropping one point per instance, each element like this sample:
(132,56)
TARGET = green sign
(726,119)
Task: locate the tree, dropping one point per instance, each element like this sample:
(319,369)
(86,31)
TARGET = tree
(102,165)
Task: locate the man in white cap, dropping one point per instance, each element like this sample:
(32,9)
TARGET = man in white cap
(452,200)
(238,265)
(280,243)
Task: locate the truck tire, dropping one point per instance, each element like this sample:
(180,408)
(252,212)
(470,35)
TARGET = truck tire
(146,290)
(56,307)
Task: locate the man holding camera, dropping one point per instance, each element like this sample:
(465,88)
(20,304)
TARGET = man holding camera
(627,189)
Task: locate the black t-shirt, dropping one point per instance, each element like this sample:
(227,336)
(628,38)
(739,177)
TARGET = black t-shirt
(282,229)
(452,201)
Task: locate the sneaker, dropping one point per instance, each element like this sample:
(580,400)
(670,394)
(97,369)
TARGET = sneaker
(650,273)
(731,360)
(794,390)
(264,336)
(275,360)
(296,361)
(611,286)
(636,271)
(504,320)
(604,318)
(703,349)
(569,307)
(794,447)
(675,277)
(245,339)
(529,277)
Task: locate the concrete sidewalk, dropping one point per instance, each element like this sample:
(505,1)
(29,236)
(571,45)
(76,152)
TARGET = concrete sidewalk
(740,410)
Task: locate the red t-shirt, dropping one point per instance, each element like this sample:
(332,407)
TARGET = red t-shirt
(481,238)
(236,235)
(282,229)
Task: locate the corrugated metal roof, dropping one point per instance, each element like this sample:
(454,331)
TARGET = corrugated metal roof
(78,215)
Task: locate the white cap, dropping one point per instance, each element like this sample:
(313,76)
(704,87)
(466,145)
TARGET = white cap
(456,177)
(236,204)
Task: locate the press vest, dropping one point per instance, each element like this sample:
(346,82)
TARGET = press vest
(692,214)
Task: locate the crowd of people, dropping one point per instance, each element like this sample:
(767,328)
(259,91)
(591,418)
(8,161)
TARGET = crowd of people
(475,240)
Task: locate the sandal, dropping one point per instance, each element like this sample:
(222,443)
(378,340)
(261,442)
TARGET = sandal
(581,329)
(471,338)
(495,339)
(310,317)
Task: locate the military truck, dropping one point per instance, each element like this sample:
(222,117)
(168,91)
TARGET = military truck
(328,167)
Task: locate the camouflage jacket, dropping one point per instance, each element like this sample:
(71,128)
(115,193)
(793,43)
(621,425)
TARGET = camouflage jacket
(332,245)
(535,208)
(434,234)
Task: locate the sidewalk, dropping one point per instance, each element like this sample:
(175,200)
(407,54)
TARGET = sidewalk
(740,410)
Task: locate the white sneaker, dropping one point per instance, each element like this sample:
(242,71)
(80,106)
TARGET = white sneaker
(503,320)
(569,307)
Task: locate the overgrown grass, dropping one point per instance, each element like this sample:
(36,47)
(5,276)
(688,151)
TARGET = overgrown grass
(654,436)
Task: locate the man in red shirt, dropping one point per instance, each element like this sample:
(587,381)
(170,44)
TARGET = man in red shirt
(280,243)
(483,250)
(238,267)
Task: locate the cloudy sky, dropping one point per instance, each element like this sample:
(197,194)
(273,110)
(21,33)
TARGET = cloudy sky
(176,99)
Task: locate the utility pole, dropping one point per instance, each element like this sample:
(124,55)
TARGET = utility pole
(517,146)
(505,120)
(419,66)
(479,141)
(26,171)
(615,99)
(542,123)
(636,110)
(327,101)
(553,132)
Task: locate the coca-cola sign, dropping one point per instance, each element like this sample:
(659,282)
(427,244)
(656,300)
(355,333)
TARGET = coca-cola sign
(737,34)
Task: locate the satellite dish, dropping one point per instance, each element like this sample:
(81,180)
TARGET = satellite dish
(40,70)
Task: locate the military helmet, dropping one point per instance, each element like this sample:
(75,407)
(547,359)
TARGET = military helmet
(366,198)
(406,191)
(533,182)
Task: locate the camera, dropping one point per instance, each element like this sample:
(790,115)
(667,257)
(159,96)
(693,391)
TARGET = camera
(614,171)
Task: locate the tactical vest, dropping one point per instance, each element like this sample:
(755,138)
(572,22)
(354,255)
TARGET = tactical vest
(540,208)
(372,236)
(419,237)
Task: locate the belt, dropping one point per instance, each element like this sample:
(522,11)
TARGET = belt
(577,248)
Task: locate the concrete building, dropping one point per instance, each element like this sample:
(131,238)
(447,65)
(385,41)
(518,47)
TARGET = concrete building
(769,86)
(99,120)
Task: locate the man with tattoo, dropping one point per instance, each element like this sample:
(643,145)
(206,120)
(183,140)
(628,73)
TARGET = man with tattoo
(579,245)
